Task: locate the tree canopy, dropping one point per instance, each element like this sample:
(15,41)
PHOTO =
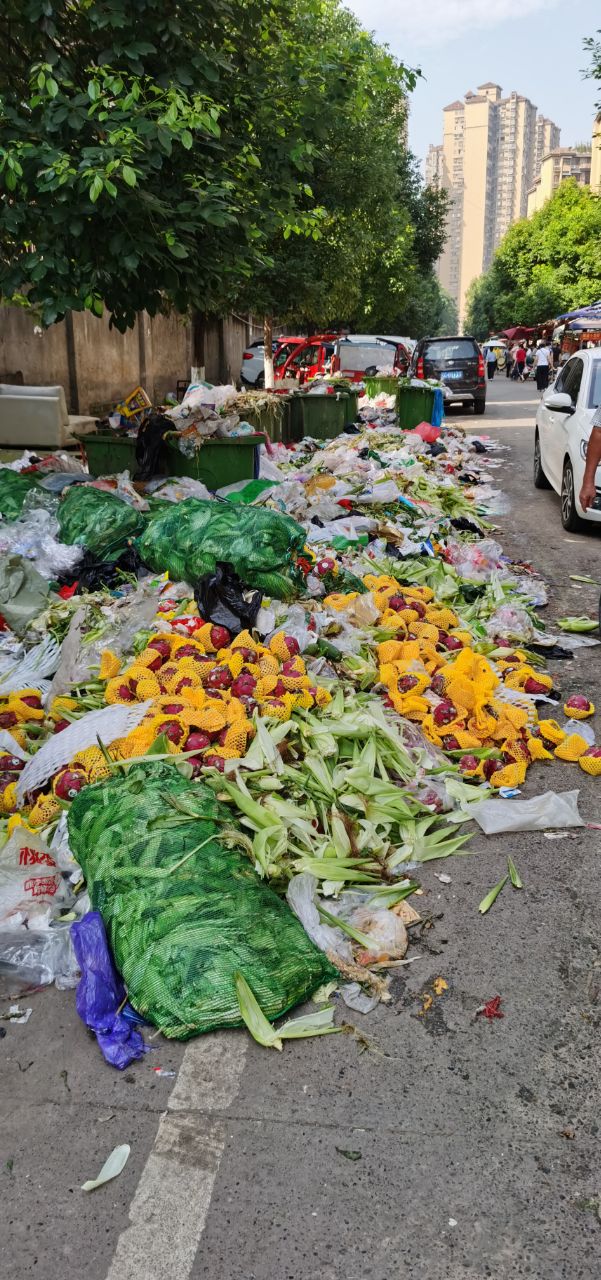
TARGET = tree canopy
(545,265)
(209,154)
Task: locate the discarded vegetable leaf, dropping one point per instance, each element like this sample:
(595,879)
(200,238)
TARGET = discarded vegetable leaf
(348,1155)
(312,1024)
(111,1168)
(577,624)
(514,874)
(491,897)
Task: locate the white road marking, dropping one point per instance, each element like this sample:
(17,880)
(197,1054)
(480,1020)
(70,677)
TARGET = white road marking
(170,1207)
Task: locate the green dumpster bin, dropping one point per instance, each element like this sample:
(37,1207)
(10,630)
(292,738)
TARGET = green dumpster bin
(106,454)
(352,407)
(271,417)
(217,463)
(381,383)
(324,417)
(414,406)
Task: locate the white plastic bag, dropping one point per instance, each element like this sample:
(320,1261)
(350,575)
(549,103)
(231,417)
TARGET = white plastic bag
(32,889)
(552,809)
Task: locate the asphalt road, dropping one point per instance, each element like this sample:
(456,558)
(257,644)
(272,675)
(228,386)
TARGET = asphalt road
(475,1143)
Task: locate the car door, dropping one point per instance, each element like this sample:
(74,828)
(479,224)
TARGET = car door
(552,427)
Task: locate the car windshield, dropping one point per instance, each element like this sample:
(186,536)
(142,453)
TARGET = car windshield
(594,395)
(359,356)
(450,349)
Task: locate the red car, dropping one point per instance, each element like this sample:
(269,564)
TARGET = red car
(304,358)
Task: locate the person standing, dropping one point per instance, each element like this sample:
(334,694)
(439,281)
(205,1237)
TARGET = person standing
(520,363)
(543,363)
(508,362)
(491,363)
(588,491)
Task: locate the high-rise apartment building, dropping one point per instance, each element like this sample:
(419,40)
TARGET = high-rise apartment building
(562,163)
(434,166)
(546,140)
(488,165)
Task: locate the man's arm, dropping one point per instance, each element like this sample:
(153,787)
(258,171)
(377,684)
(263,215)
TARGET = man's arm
(588,491)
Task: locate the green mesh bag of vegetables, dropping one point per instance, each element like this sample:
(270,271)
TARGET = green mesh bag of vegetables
(14,488)
(98,521)
(183,908)
(189,538)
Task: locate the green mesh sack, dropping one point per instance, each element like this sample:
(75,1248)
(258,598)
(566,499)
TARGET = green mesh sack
(182,911)
(14,488)
(195,535)
(98,521)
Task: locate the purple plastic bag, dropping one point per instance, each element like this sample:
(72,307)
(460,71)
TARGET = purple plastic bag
(100,993)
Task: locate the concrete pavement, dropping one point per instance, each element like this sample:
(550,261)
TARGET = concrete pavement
(477,1142)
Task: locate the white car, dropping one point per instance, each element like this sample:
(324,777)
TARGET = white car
(563,426)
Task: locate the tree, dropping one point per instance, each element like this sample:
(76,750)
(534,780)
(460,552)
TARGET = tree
(148,154)
(545,265)
(379,231)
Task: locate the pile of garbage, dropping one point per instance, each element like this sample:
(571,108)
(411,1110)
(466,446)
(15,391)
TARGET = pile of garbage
(234,725)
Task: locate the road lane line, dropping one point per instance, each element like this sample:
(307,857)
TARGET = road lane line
(169,1209)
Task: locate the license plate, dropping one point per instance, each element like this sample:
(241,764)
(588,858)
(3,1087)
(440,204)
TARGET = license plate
(451,373)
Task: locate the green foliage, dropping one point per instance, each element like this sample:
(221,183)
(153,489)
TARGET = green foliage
(149,158)
(593,47)
(545,265)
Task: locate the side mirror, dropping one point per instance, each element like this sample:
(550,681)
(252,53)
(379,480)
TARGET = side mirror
(559,402)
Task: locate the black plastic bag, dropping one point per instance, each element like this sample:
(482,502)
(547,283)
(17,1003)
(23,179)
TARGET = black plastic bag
(222,599)
(149,442)
(92,573)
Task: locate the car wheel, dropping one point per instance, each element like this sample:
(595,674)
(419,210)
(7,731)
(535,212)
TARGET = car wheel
(260,383)
(479,406)
(569,515)
(540,479)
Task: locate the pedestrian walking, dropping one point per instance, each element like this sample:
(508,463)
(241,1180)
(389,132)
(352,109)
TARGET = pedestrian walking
(491,363)
(509,362)
(520,363)
(543,363)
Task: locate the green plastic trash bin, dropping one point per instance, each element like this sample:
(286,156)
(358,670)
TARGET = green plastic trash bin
(217,463)
(414,406)
(381,384)
(324,417)
(270,417)
(107,454)
(352,407)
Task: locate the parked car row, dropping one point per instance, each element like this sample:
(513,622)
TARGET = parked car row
(355,356)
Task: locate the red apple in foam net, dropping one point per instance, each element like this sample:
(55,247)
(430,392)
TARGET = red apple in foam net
(220,637)
(406,683)
(68,783)
(534,686)
(491,766)
(444,713)
(594,753)
(172,730)
(11,764)
(450,742)
(173,708)
(60,725)
(188,651)
(451,643)
(184,683)
(7,719)
(162,647)
(578,702)
(219,678)
(247,655)
(244,685)
(215,761)
(32,700)
(198,740)
(397,603)
(468,764)
(125,694)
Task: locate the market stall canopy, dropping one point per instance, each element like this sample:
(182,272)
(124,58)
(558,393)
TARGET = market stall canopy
(520,331)
(593,312)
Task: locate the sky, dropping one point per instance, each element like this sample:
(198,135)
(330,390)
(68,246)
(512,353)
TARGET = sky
(532,46)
